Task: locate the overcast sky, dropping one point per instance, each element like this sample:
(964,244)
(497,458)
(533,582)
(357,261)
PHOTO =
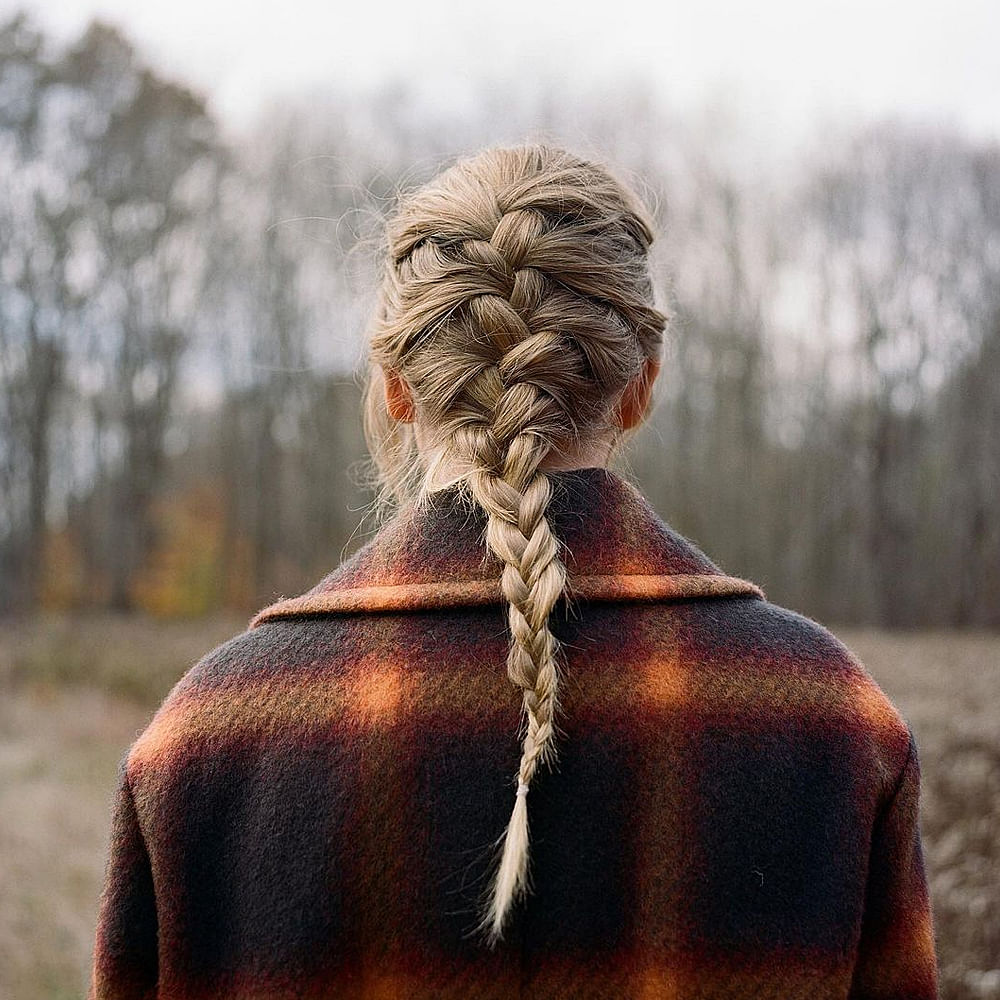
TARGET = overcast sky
(785,61)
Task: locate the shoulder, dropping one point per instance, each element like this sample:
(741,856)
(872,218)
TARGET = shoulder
(786,665)
(250,676)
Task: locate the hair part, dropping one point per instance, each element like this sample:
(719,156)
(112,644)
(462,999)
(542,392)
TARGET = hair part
(517,305)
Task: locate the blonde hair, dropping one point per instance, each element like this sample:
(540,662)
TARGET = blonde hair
(517,306)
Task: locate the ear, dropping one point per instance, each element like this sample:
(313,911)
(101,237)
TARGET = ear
(398,397)
(635,400)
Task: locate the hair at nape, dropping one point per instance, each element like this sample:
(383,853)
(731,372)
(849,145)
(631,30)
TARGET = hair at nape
(517,306)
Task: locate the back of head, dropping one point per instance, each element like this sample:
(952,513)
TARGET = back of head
(517,307)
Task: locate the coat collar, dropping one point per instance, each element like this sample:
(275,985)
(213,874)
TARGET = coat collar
(615,546)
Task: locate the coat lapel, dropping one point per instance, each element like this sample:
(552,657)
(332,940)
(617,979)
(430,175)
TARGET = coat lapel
(432,555)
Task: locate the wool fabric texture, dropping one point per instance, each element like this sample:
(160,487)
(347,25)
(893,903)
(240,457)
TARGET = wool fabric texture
(313,811)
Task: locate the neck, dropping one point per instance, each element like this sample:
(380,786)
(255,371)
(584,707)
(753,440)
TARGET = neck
(442,469)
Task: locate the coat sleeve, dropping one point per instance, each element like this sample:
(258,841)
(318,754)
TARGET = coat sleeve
(896,955)
(125,947)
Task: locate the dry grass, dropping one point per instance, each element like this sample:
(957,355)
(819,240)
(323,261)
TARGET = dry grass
(135,657)
(58,756)
(948,687)
(74,694)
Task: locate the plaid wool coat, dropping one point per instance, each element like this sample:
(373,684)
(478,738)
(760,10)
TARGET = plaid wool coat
(314,809)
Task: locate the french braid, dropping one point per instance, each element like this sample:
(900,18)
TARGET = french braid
(517,305)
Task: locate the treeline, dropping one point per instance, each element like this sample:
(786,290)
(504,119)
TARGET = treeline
(182,312)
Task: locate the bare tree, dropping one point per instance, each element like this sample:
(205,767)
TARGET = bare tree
(149,147)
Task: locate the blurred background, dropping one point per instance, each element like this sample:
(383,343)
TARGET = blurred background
(192,202)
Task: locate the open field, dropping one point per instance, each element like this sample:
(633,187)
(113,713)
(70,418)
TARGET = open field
(73,696)
(75,693)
